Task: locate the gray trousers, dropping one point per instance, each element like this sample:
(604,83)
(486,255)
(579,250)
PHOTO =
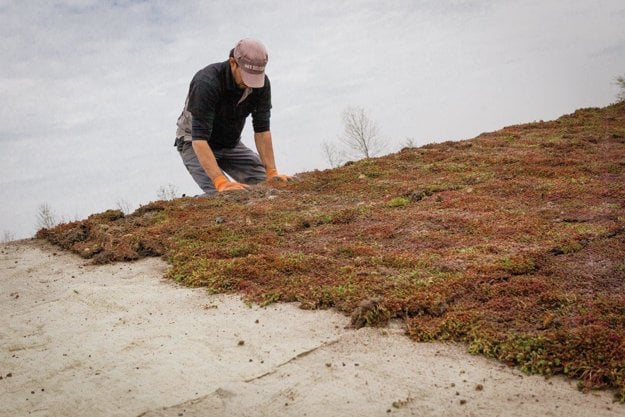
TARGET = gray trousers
(240,163)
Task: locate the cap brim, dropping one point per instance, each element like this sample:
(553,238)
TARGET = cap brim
(253,80)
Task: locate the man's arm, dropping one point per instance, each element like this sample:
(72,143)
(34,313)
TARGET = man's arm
(262,132)
(207,159)
(203,96)
(264,146)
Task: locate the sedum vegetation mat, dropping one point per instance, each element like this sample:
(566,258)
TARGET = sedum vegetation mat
(512,242)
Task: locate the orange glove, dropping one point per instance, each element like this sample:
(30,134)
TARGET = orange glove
(222,184)
(272,174)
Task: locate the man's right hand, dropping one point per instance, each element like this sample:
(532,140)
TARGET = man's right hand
(222,184)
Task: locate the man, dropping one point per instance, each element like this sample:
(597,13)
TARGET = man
(220,98)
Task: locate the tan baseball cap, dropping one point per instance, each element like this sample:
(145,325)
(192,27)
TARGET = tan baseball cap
(251,56)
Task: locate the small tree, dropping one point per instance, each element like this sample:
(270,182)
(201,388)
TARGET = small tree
(620,81)
(333,155)
(168,192)
(124,206)
(46,218)
(409,143)
(361,134)
(7,236)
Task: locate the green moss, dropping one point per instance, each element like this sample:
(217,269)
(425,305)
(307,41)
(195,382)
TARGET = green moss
(517,265)
(590,229)
(567,247)
(243,249)
(398,202)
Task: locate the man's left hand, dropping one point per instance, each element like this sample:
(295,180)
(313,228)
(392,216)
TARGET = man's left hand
(273,175)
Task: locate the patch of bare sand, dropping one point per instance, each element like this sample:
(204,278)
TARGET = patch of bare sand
(117,340)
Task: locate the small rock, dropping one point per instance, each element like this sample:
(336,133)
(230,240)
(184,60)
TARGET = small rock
(219,220)
(479,387)
(241,342)
(463,402)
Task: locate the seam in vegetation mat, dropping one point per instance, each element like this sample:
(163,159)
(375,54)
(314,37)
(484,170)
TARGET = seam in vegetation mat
(512,242)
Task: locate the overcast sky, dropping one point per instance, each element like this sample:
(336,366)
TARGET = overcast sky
(91,90)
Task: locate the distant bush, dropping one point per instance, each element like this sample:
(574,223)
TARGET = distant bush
(46,218)
(620,81)
(333,155)
(361,138)
(124,206)
(361,134)
(7,236)
(168,192)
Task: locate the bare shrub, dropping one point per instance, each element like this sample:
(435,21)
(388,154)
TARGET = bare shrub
(46,218)
(168,192)
(620,81)
(7,236)
(124,206)
(361,134)
(409,143)
(332,154)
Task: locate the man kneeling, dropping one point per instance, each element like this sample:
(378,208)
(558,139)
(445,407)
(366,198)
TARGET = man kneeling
(220,98)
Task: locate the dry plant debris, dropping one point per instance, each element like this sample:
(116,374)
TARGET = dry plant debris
(512,242)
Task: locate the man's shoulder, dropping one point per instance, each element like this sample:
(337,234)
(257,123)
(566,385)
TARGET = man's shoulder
(213,74)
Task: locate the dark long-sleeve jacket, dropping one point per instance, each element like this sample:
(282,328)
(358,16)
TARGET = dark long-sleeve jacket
(215,112)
